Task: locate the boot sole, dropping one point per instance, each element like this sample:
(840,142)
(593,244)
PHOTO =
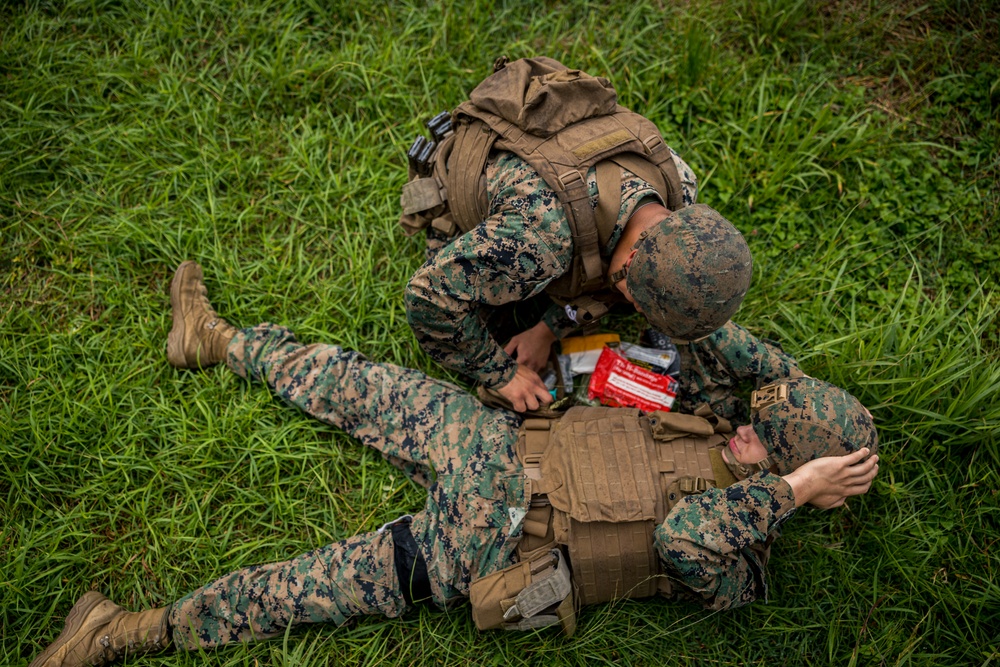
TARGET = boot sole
(74,620)
(175,339)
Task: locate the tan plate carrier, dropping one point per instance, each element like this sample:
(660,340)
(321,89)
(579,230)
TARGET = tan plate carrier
(562,122)
(601,480)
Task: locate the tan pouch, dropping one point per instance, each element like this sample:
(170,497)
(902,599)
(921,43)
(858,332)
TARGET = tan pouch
(532,594)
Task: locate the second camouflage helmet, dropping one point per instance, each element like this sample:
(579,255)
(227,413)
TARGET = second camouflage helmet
(690,272)
(802,419)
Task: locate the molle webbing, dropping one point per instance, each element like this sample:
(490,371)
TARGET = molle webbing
(602,479)
(538,535)
(599,478)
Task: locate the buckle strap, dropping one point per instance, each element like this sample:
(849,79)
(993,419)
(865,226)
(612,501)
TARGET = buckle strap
(588,309)
(693,484)
(618,275)
(550,587)
(747,469)
(768,395)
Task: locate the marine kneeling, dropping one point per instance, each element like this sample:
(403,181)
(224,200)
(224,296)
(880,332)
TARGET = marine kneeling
(519,509)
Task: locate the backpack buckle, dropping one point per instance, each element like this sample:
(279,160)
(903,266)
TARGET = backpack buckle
(768,396)
(654,143)
(570,179)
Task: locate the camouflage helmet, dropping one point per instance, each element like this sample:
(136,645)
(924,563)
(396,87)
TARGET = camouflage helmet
(690,272)
(803,418)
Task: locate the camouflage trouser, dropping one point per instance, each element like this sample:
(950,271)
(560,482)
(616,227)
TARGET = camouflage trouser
(461,451)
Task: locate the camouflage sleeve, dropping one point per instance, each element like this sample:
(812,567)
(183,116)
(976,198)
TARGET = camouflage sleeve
(747,357)
(520,248)
(711,541)
(715,370)
(689,182)
(750,358)
(559,322)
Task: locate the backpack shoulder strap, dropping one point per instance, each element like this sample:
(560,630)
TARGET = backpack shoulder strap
(654,153)
(574,194)
(609,199)
(645,170)
(466,180)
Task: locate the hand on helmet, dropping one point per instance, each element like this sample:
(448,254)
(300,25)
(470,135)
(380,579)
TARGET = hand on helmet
(829,481)
(531,348)
(526,391)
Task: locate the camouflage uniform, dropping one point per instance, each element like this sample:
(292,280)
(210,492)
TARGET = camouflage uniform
(463,454)
(522,246)
(724,568)
(716,542)
(713,369)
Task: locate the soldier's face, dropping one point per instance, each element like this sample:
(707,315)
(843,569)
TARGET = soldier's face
(746,447)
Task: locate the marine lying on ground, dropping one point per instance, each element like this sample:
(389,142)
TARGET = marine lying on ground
(509,498)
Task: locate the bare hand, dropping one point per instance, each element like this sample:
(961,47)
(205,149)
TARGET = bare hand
(531,348)
(526,391)
(828,481)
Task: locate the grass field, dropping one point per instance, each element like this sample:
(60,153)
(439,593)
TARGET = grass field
(855,143)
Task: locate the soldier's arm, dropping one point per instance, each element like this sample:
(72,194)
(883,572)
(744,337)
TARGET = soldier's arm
(747,357)
(506,258)
(712,541)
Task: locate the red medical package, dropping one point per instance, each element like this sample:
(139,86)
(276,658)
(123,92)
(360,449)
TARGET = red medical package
(619,383)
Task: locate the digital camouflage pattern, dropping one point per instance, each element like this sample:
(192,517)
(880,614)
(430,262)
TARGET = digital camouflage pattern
(717,370)
(716,542)
(706,263)
(817,419)
(329,585)
(522,246)
(463,454)
(443,438)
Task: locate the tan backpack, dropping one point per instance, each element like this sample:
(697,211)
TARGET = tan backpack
(562,122)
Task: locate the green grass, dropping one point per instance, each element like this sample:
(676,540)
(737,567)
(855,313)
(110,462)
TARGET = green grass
(855,143)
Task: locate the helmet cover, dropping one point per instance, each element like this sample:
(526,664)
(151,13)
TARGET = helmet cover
(690,272)
(802,419)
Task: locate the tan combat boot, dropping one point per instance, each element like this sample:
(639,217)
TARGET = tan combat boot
(199,337)
(98,632)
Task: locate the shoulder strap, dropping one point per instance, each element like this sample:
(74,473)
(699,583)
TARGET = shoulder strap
(659,154)
(645,170)
(609,178)
(586,248)
(652,149)
(609,199)
(723,476)
(466,182)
